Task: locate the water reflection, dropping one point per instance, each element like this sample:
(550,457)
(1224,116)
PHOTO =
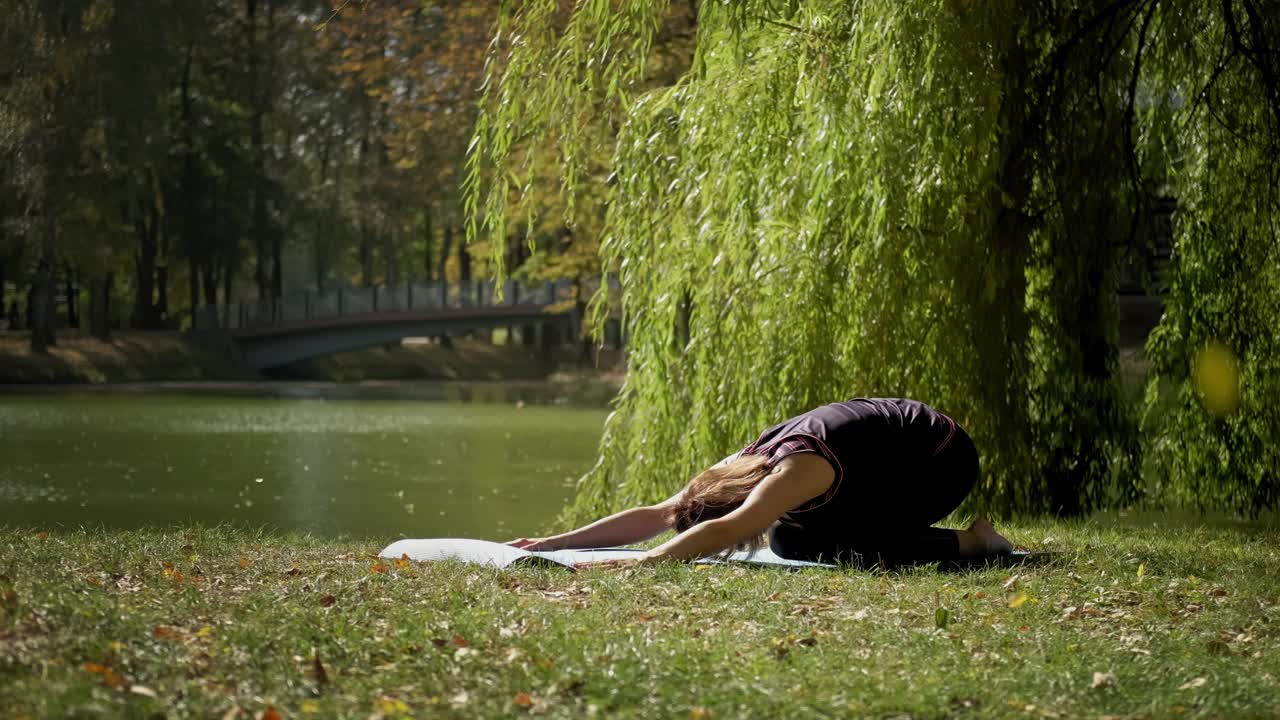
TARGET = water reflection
(380,468)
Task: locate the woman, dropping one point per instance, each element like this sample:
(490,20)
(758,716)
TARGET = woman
(857,482)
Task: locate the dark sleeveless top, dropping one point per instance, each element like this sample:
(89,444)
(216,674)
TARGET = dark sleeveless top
(868,441)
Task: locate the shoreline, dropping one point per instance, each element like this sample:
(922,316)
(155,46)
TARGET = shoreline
(163,361)
(560,389)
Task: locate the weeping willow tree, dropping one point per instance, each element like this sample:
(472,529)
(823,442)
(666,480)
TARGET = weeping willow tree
(922,198)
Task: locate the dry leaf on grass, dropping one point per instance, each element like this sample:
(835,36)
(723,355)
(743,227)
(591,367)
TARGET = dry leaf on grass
(523,699)
(317,669)
(1103,679)
(1192,684)
(109,677)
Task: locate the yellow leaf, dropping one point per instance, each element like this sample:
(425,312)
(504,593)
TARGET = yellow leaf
(1217,377)
(309,707)
(523,699)
(1018,600)
(391,706)
(699,713)
(1142,568)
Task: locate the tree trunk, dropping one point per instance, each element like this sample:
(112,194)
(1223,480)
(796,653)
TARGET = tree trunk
(446,243)
(366,255)
(144,264)
(161,312)
(72,295)
(40,302)
(276,234)
(100,306)
(211,271)
(193,269)
(390,256)
(226,296)
(258,227)
(427,232)
(191,231)
(446,247)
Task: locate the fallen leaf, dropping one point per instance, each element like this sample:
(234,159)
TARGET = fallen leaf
(1218,647)
(1191,684)
(328,601)
(773,596)
(460,641)
(1018,600)
(523,699)
(1011,581)
(142,690)
(109,677)
(391,706)
(1142,569)
(293,572)
(645,617)
(403,561)
(980,594)
(1219,592)
(699,713)
(166,631)
(270,714)
(378,567)
(41,535)
(1024,628)
(317,669)
(245,563)
(309,707)
(1103,679)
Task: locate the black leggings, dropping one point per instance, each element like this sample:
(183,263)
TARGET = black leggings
(887,524)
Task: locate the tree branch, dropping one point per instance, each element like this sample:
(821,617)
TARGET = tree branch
(1135,180)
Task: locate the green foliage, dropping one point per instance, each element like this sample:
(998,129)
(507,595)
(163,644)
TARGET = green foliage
(849,199)
(924,198)
(1227,286)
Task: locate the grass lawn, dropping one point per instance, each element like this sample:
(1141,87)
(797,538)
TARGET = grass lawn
(1149,622)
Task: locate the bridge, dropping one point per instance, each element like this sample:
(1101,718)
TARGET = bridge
(272,333)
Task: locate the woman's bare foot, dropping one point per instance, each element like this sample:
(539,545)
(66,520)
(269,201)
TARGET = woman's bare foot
(990,541)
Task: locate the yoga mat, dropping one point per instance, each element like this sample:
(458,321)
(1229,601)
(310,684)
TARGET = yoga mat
(494,554)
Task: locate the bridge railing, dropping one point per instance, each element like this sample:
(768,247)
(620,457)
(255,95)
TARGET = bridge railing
(350,302)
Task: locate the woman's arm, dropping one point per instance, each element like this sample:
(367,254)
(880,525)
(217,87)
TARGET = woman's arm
(796,480)
(629,526)
(623,528)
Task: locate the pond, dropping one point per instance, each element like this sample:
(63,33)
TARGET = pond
(378,468)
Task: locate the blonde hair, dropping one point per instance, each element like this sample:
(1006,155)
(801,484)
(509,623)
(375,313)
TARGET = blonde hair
(718,491)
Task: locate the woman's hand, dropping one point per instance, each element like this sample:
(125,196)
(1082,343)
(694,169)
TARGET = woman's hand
(530,544)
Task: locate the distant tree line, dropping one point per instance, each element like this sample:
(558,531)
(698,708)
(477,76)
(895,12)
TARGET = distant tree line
(160,155)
